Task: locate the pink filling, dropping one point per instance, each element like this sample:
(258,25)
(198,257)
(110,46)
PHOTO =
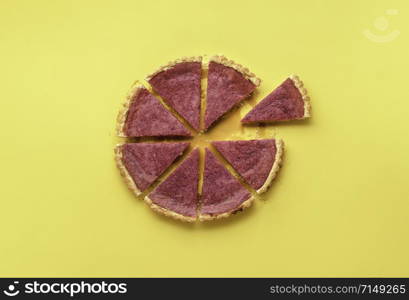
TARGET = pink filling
(178,192)
(221,191)
(226,87)
(180,87)
(252,159)
(147,117)
(145,162)
(283,104)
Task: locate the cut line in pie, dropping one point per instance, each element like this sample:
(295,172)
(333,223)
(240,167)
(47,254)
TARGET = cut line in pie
(289,101)
(179,83)
(256,161)
(177,195)
(144,116)
(234,171)
(142,163)
(222,193)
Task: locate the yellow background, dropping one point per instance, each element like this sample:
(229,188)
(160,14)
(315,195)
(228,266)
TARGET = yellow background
(340,206)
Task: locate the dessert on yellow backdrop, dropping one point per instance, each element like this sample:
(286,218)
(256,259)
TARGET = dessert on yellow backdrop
(338,207)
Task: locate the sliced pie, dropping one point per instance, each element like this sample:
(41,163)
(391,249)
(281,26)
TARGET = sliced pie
(177,195)
(228,84)
(142,163)
(179,84)
(257,161)
(287,102)
(222,193)
(143,115)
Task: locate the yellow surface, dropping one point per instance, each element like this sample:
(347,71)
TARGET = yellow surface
(340,206)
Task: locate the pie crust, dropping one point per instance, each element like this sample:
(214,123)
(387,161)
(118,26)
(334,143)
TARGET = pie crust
(124,172)
(167,212)
(300,86)
(170,64)
(121,119)
(275,168)
(243,70)
(241,207)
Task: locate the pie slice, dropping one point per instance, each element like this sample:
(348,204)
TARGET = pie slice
(257,161)
(228,84)
(142,163)
(179,84)
(222,193)
(287,102)
(143,115)
(177,196)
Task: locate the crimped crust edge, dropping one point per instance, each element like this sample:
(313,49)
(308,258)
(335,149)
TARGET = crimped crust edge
(171,64)
(242,206)
(275,168)
(167,212)
(124,172)
(221,59)
(300,86)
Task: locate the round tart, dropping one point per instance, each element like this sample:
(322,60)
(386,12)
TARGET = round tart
(234,172)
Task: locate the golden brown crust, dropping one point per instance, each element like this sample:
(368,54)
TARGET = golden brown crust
(124,172)
(300,86)
(275,168)
(244,205)
(173,63)
(243,70)
(168,212)
(123,112)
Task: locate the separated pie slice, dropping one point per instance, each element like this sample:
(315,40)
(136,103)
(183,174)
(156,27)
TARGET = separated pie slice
(257,161)
(179,84)
(143,115)
(228,84)
(287,102)
(177,195)
(142,163)
(222,193)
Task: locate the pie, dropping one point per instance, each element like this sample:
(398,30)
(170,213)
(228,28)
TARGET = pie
(179,84)
(256,161)
(143,115)
(177,195)
(287,102)
(228,84)
(142,163)
(166,114)
(222,193)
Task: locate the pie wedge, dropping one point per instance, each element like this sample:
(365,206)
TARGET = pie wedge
(143,115)
(228,84)
(177,195)
(287,102)
(142,163)
(222,193)
(257,161)
(179,84)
